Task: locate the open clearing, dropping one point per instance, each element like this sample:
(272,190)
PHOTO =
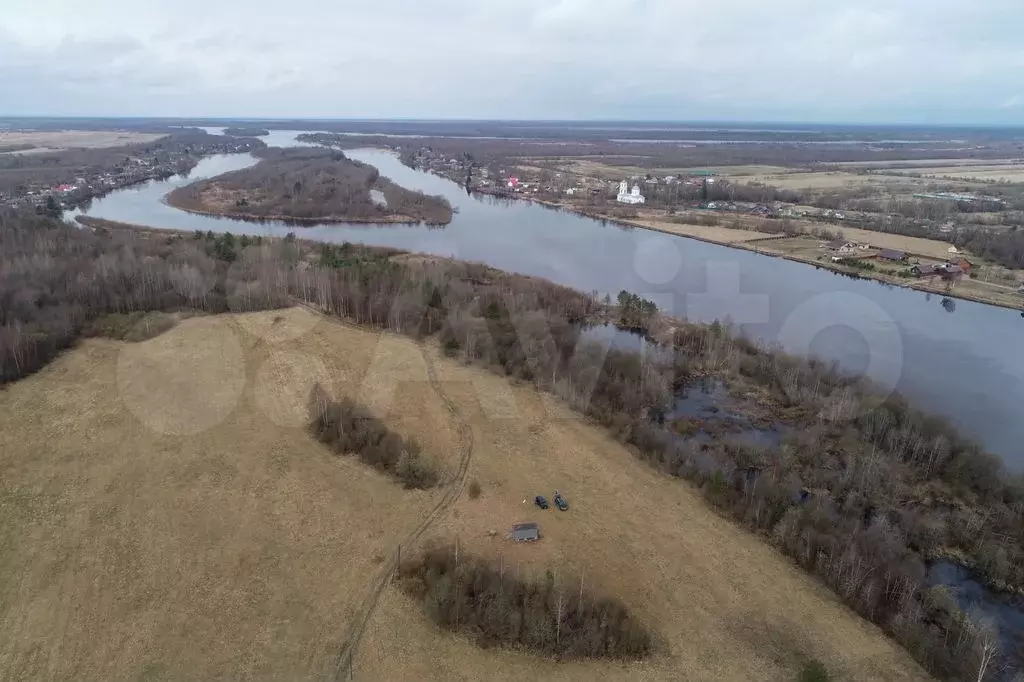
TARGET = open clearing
(609,171)
(826,180)
(1011,172)
(72,139)
(166,516)
(904,163)
(712,233)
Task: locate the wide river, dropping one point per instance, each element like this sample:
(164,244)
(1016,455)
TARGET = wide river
(960,359)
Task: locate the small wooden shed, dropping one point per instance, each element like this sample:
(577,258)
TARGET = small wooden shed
(526,532)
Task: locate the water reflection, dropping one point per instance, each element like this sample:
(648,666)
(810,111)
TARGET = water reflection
(1005,612)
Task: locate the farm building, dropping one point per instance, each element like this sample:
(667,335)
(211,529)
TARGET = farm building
(891,254)
(964,264)
(948,270)
(839,244)
(525,532)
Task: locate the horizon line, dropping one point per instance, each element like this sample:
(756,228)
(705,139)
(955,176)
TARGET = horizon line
(646,121)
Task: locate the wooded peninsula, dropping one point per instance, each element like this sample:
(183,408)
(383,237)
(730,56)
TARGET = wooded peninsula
(246,132)
(310,186)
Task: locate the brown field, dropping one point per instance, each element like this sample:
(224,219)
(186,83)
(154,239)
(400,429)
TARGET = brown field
(73,139)
(903,163)
(1010,172)
(828,180)
(746,170)
(931,248)
(166,516)
(608,170)
(711,233)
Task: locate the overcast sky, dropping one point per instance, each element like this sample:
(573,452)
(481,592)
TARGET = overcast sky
(930,61)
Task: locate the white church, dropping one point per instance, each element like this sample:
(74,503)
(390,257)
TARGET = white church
(629,197)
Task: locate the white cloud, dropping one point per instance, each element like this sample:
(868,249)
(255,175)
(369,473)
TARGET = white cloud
(682,59)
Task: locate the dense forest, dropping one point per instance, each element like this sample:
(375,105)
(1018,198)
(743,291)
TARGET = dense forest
(496,607)
(309,185)
(860,492)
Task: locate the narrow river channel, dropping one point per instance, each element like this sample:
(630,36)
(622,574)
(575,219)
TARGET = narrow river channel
(960,359)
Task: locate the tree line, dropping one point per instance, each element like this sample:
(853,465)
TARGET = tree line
(656,155)
(862,493)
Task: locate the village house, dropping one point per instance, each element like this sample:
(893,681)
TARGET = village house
(892,255)
(948,270)
(841,245)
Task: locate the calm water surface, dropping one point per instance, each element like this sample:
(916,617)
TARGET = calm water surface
(960,359)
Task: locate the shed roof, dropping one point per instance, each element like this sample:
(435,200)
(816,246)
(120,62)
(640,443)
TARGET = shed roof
(525,531)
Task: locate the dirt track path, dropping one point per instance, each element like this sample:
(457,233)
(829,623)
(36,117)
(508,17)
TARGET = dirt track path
(453,490)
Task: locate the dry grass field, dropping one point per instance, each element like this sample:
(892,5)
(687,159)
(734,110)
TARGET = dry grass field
(72,139)
(904,163)
(920,246)
(608,170)
(165,516)
(832,180)
(1009,172)
(711,233)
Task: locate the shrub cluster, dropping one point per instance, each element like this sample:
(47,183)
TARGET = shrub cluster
(350,428)
(482,600)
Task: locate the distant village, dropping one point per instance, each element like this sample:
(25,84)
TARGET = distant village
(696,189)
(697,194)
(159,160)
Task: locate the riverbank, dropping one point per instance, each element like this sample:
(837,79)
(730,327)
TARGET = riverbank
(982,377)
(788,494)
(762,243)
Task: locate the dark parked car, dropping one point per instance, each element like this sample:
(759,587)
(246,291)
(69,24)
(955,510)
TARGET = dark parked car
(541,502)
(561,502)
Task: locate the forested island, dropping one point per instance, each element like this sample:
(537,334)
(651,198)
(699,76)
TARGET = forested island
(240,131)
(310,186)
